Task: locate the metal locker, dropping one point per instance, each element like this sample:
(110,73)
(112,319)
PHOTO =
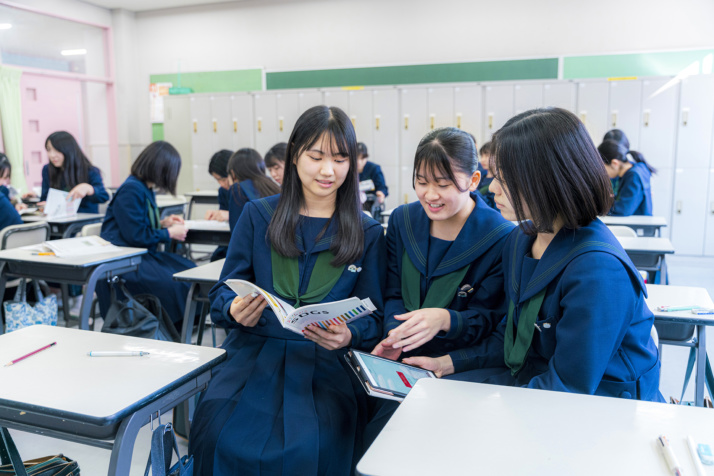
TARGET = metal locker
(593,108)
(468,108)
(690,209)
(658,122)
(242,121)
(498,108)
(202,147)
(338,98)
(288,112)
(385,151)
(527,96)
(561,94)
(709,234)
(413,126)
(221,122)
(696,114)
(440,104)
(308,99)
(662,190)
(360,112)
(625,106)
(265,121)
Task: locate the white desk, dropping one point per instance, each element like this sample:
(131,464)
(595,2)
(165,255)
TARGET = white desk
(684,296)
(456,428)
(643,225)
(63,393)
(66,227)
(84,270)
(170,205)
(648,254)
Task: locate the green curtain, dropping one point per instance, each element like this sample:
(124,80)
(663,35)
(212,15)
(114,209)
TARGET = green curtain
(11,119)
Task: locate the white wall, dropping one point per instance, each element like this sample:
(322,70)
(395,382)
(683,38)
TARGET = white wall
(74,9)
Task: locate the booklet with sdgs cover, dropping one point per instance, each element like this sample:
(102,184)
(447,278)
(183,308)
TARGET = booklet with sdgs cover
(295,320)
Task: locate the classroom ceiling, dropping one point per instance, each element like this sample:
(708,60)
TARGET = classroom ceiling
(146,5)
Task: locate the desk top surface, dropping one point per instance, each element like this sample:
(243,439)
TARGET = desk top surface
(73,219)
(210,272)
(203,194)
(64,379)
(169,200)
(635,220)
(26,255)
(661,295)
(648,244)
(208,225)
(458,428)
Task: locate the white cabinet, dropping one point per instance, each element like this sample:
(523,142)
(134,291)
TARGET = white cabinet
(709,234)
(288,111)
(385,151)
(562,94)
(441,107)
(624,114)
(468,106)
(696,114)
(527,96)
(498,108)
(593,108)
(360,112)
(242,121)
(690,208)
(414,124)
(662,190)
(658,122)
(338,98)
(308,99)
(265,121)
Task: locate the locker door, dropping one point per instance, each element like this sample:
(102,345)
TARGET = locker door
(337,98)
(308,99)
(242,121)
(527,96)
(709,237)
(288,113)
(360,112)
(662,188)
(222,123)
(468,106)
(498,108)
(385,105)
(265,121)
(658,122)
(441,108)
(561,94)
(625,107)
(696,111)
(201,140)
(413,125)
(690,209)
(592,108)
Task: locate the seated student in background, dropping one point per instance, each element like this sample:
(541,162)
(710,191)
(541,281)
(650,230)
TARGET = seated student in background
(218,168)
(633,195)
(370,171)
(485,162)
(133,219)
(282,403)
(8,213)
(444,277)
(577,319)
(69,170)
(275,161)
(6,187)
(247,172)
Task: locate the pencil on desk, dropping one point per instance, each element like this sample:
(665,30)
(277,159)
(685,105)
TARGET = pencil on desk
(30,354)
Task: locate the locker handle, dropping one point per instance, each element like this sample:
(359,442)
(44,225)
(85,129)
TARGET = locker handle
(685,116)
(431,121)
(280,122)
(195,126)
(458,121)
(614,119)
(235,125)
(406,123)
(354,120)
(376,122)
(647,118)
(490,120)
(215,126)
(583,116)
(679,206)
(260,125)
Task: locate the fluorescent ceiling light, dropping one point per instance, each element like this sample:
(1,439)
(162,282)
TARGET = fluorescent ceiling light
(73,52)
(5,26)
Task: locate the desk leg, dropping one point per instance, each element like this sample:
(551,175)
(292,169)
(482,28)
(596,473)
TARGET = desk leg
(3,282)
(100,272)
(700,374)
(189,313)
(64,290)
(663,271)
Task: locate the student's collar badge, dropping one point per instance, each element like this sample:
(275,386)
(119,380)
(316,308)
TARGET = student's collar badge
(353,269)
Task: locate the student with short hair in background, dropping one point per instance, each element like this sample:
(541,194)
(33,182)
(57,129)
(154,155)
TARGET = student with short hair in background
(370,171)
(218,168)
(485,162)
(247,173)
(275,161)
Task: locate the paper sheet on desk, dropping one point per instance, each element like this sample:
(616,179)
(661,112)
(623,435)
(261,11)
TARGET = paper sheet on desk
(80,246)
(57,205)
(206,225)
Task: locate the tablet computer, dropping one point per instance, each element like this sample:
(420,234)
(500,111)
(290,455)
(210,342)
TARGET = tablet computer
(385,378)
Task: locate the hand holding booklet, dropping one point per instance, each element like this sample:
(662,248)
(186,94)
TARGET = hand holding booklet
(58,206)
(322,315)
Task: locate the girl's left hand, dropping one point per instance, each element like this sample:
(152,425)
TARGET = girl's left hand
(171,220)
(80,191)
(420,327)
(20,207)
(335,337)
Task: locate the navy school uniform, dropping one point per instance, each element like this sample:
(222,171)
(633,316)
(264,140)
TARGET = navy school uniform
(487,195)
(634,195)
(374,173)
(280,404)
(592,332)
(90,203)
(8,214)
(239,194)
(132,220)
(223,195)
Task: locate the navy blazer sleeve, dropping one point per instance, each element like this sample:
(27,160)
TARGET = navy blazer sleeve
(380,185)
(8,214)
(45,182)
(236,202)
(132,217)
(394,305)
(629,196)
(222,199)
(100,193)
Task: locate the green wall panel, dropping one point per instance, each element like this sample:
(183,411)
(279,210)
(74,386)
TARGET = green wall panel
(416,74)
(215,81)
(639,64)
(157,131)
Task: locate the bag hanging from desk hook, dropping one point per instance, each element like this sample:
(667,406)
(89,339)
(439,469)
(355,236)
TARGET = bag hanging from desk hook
(12,464)
(163,442)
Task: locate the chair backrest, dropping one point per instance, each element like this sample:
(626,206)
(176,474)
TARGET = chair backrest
(92,229)
(655,336)
(103,206)
(623,231)
(16,236)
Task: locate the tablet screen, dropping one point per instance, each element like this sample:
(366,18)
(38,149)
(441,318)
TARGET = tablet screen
(389,375)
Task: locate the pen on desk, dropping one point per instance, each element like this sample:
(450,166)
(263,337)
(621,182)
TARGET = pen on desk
(702,311)
(669,456)
(30,354)
(117,353)
(695,457)
(675,308)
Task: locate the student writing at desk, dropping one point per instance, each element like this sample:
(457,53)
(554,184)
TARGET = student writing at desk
(370,171)
(282,403)
(218,168)
(8,213)
(247,172)
(70,170)
(133,219)
(577,320)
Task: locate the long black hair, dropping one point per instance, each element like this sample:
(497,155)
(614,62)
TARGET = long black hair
(159,164)
(276,154)
(444,151)
(247,164)
(5,165)
(551,167)
(348,244)
(75,169)
(619,137)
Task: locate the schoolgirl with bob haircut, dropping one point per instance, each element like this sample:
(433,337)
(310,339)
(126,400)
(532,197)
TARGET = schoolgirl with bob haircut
(247,172)
(282,403)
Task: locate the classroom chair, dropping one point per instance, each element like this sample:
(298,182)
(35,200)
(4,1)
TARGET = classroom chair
(15,236)
(625,231)
(93,229)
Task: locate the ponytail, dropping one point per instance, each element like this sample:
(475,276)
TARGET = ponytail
(616,135)
(640,159)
